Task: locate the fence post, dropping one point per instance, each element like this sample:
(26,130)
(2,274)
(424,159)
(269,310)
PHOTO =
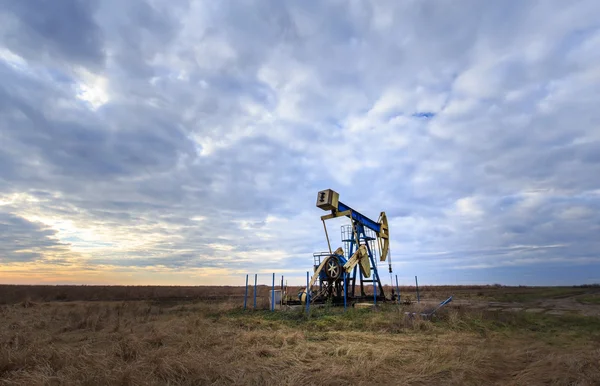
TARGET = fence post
(417,283)
(246,293)
(281,300)
(307,293)
(273,294)
(397,291)
(255,278)
(345,290)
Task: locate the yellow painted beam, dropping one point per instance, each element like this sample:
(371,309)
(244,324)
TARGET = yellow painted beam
(336,214)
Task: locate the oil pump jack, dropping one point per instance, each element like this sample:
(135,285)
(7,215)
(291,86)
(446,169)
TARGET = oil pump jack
(340,271)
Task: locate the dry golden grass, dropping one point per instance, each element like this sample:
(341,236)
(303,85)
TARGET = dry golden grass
(16,293)
(10,294)
(145,343)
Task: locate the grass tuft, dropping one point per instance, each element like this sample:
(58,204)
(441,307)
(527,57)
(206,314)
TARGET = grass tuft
(187,343)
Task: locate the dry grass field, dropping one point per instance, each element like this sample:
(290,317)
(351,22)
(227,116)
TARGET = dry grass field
(183,339)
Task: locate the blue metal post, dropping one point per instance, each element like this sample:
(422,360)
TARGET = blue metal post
(374,290)
(255,278)
(442,304)
(273,294)
(307,293)
(345,289)
(418,297)
(246,294)
(397,290)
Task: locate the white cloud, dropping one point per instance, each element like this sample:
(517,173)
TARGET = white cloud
(210,128)
(92,88)
(467,206)
(13,60)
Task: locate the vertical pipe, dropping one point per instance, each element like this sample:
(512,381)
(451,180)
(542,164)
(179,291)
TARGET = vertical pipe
(273,294)
(374,290)
(246,293)
(354,279)
(397,291)
(255,279)
(307,294)
(345,289)
(418,297)
(281,299)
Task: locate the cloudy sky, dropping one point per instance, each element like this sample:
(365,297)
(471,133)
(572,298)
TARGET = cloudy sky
(184,142)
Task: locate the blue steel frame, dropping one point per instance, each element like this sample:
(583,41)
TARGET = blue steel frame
(374,293)
(361,235)
(359,218)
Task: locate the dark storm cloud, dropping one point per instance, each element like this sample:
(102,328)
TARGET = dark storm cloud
(22,240)
(60,30)
(195,135)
